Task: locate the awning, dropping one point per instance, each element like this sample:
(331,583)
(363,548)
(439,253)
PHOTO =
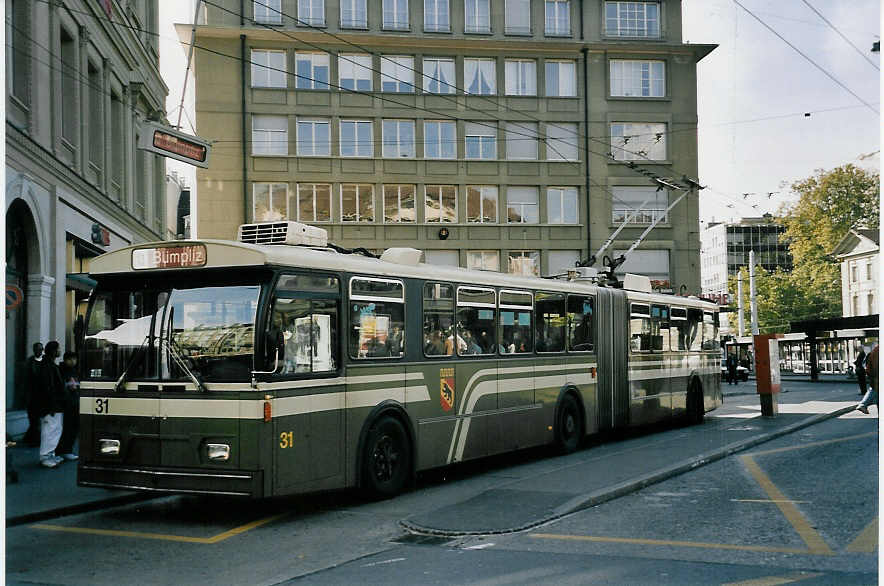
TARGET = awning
(80,282)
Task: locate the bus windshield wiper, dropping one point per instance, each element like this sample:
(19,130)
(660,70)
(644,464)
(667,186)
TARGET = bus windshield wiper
(172,348)
(121,382)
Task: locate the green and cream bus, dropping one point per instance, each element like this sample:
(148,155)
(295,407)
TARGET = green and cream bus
(264,367)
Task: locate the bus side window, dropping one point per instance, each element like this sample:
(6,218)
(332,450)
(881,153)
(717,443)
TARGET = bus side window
(580,326)
(377,318)
(549,318)
(304,325)
(660,328)
(475,322)
(710,331)
(678,330)
(639,328)
(438,318)
(695,327)
(515,331)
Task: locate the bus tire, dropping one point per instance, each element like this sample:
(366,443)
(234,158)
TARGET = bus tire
(569,425)
(695,409)
(386,460)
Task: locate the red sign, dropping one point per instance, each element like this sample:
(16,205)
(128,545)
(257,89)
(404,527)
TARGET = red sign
(14,297)
(179,146)
(169,257)
(446,388)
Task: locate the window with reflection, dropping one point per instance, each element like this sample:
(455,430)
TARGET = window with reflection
(440,203)
(357,202)
(515,330)
(639,328)
(398,203)
(710,331)
(314,202)
(476,311)
(303,330)
(580,323)
(550,320)
(438,319)
(377,318)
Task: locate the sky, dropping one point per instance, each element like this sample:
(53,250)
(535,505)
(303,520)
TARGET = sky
(754,74)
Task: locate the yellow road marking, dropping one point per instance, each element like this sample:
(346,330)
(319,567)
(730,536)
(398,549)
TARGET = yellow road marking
(814,541)
(867,540)
(161,536)
(669,543)
(766,501)
(813,444)
(775,580)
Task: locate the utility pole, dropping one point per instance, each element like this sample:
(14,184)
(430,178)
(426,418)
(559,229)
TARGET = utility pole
(741,323)
(753,304)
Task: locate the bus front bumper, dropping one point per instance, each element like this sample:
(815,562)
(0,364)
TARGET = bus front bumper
(190,481)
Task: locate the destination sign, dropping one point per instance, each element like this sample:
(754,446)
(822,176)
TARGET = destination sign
(169,257)
(169,142)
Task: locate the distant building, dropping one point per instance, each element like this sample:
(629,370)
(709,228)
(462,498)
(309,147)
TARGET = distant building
(724,249)
(858,253)
(177,207)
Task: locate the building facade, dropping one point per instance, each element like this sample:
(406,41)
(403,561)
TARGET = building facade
(860,267)
(81,77)
(724,250)
(492,134)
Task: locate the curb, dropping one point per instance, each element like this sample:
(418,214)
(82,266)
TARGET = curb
(612,492)
(77,509)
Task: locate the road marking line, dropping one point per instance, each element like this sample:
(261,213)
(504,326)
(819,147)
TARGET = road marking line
(814,541)
(766,501)
(775,580)
(867,540)
(813,444)
(669,543)
(161,536)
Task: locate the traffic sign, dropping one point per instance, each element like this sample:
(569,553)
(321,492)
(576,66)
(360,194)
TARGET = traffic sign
(14,297)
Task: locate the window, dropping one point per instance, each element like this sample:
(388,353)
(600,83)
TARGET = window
(303,331)
(524,262)
(377,318)
(69,83)
(436,16)
(561,79)
(440,203)
(356,138)
(856,309)
(440,140)
(314,202)
(684,329)
(640,328)
(357,203)
(561,142)
(868,270)
(354,72)
(652,263)
(116,155)
(871,304)
(479,77)
(17,54)
(561,205)
(521,205)
(644,79)
(268,68)
(514,326)
(312,71)
(550,321)
(398,139)
(270,201)
(268,11)
(482,204)
(397,74)
(398,203)
(559,261)
(521,77)
(395,15)
(638,141)
(475,322)
(710,331)
(853,273)
(638,205)
(632,19)
(521,140)
(558,18)
(517,20)
(442,258)
(480,140)
(438,320)
(140,183)
(477,16)
(311,12)
(483,260)
(270,135)
(313,138)
(354,14)
(580,323)
(96,116)
(439,76)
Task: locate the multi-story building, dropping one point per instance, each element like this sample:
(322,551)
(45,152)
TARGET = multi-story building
(81,77)
(489,134)
(858,254)
(724,250)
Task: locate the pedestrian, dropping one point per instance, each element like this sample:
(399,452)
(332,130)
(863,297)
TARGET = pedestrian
(32,435)
(731,369)
(871,397)
(50,406)
(71,421)
(860,370)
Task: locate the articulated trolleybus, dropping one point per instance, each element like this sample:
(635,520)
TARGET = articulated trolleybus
(278,364)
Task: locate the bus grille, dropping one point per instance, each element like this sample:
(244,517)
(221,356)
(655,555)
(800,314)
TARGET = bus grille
(265,233)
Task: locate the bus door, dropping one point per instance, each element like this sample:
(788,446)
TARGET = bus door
(663,361)
(613,358)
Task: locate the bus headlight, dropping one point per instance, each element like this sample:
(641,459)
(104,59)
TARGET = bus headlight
(108,447)
(218,451)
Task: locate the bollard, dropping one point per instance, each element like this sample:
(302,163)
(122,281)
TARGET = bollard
(767,372)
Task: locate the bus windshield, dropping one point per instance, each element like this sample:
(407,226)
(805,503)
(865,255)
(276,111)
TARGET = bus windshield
(170,333)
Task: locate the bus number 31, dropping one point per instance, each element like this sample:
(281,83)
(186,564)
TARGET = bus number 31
(102,405)
(286,440)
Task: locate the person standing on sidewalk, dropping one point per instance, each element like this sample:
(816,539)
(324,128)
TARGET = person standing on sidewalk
(32,435)
(71,421)
(731,369)
(871,397)
(860,371)
(50,406)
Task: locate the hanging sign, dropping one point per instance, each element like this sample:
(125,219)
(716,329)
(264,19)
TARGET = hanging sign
(168,142)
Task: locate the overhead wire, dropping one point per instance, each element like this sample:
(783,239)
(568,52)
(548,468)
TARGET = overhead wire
(848,41)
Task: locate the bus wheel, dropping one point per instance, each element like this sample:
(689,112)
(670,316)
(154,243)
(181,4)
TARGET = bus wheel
(695,403)
(569,425)
(387,458)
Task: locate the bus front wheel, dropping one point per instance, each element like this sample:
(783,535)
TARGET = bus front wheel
(569,425)
(386,461)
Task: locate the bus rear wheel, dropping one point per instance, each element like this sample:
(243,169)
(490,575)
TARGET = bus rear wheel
(386,462)
(569,425)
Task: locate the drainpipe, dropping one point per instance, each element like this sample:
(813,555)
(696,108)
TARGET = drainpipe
(585,52)
(245,161)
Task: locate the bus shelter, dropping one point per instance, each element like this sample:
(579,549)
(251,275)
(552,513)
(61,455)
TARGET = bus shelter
(829,345)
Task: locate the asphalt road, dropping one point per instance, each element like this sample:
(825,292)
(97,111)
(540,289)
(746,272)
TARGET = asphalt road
(721,523)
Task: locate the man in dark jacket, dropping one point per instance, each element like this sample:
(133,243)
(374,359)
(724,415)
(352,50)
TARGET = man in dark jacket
(32,436)
(860,369)
(71,420)
(50,401)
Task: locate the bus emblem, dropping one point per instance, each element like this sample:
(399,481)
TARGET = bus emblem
(446,388)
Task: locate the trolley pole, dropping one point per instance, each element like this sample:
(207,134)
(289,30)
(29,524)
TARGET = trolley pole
(753,304)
